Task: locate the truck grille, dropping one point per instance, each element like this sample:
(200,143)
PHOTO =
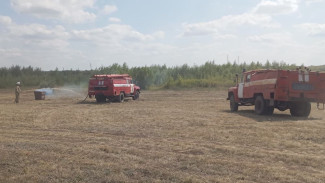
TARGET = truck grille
(100,88)
(302,86)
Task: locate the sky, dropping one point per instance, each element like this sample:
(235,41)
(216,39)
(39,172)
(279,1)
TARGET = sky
(87,34)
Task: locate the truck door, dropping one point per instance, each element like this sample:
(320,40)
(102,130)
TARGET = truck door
(132,88)
(247,93)
(244,80)
(129,87)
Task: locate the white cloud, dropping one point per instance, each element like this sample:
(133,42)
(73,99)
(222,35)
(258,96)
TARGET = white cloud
(276,7)
(5,20)
(114,20)
(115,34)
(6,53)
(253,35)
(260,16)
(308,2)
(109,9)
(119,43)
(158,35)
(227,23)
(313,29)
(32,36)
(70,11)
(273,38)
(38,31)
(225,36)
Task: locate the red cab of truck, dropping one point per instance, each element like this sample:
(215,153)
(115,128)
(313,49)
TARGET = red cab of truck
(114,87)
(280,89)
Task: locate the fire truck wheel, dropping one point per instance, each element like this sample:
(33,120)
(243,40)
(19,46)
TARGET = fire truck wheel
(136,95)
(300,109)
(260,106)
(233,104)
(100,98)
(121,97)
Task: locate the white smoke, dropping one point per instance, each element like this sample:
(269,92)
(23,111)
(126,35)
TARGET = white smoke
(71,91)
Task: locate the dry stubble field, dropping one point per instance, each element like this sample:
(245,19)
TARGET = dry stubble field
(166,136)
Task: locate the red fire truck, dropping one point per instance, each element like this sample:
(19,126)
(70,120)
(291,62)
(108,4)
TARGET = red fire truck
(281,89)
(114,87)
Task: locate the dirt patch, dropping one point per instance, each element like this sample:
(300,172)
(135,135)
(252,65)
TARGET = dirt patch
(165,136)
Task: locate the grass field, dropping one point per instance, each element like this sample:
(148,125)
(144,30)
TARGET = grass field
(166,136)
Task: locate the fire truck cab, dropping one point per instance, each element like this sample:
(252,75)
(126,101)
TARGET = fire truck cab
(280,89)
(114,87)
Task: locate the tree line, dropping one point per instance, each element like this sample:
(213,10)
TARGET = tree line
(209,75)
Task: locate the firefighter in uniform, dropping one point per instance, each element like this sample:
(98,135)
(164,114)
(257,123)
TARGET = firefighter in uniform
(17,92)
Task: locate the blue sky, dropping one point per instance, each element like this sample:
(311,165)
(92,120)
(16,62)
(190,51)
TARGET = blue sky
(70,34)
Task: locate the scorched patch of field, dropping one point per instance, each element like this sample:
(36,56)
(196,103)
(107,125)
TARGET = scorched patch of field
(166,136)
